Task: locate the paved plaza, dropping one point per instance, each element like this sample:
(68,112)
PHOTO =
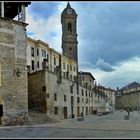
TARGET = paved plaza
(107,126)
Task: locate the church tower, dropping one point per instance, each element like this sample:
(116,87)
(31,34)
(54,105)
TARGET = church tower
(69,33)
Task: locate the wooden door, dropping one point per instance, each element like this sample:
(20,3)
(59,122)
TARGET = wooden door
(65,112)
(78,111)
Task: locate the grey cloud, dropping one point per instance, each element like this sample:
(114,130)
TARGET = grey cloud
(104,65)
(110,31)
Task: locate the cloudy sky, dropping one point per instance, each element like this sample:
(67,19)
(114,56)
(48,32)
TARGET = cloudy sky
(108,37)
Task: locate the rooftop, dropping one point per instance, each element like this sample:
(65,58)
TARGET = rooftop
(131,85)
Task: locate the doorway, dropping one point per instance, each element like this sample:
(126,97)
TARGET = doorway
(78,111)
(65,112)
(1,113)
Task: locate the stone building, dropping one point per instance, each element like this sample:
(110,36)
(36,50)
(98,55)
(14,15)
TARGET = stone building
(128,96)
(51,93)
(13,61)
(54,83)
(38,50)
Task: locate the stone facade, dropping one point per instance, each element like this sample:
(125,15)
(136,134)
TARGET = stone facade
(13,89)
(68,66)
(44,85)
(58,97)
(62,100)
(36,94)
(65,94)
(128,98)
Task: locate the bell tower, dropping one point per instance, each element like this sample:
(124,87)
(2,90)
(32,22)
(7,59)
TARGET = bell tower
(69,33)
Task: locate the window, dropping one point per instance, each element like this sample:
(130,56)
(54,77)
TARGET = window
(82,109)
(67,75)
(32,51)
(70,68)
(67,67)
(73,68)
(78,100)
(83,78)
(86,92)
(54,60)
(37,64)
(55,110)
(86,100)
(63,65)
(48,57)
(64,74)
(55,96)
(89,93)
(69,27)
(86,110)
(71,77)
(71,89)
(65,99)
(37,52)
(72,109)
(72,100)
(33,65)
(82,100)
(82,90)
(44,53)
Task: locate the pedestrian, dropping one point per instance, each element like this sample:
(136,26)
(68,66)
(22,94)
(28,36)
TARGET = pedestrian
(128,111)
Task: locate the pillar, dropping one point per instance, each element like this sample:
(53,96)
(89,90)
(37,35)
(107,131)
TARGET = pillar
(23,13)
(2,9)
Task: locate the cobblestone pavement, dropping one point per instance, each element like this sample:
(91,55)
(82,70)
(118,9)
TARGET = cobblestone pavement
(107,126)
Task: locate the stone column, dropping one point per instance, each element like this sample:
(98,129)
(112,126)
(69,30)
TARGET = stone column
(2,9)
(23,13)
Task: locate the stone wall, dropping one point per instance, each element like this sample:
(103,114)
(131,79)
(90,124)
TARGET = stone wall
(39,99)
(37,92)
(60,89)
(131,99)
(13,90)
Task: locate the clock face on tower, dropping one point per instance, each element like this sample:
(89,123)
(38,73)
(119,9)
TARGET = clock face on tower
(69,11)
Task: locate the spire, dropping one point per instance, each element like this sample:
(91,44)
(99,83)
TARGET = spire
(68,4)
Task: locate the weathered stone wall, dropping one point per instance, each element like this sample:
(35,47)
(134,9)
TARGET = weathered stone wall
(45,100)
(60,89)
(36,93)
(131,99)
(13,90)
